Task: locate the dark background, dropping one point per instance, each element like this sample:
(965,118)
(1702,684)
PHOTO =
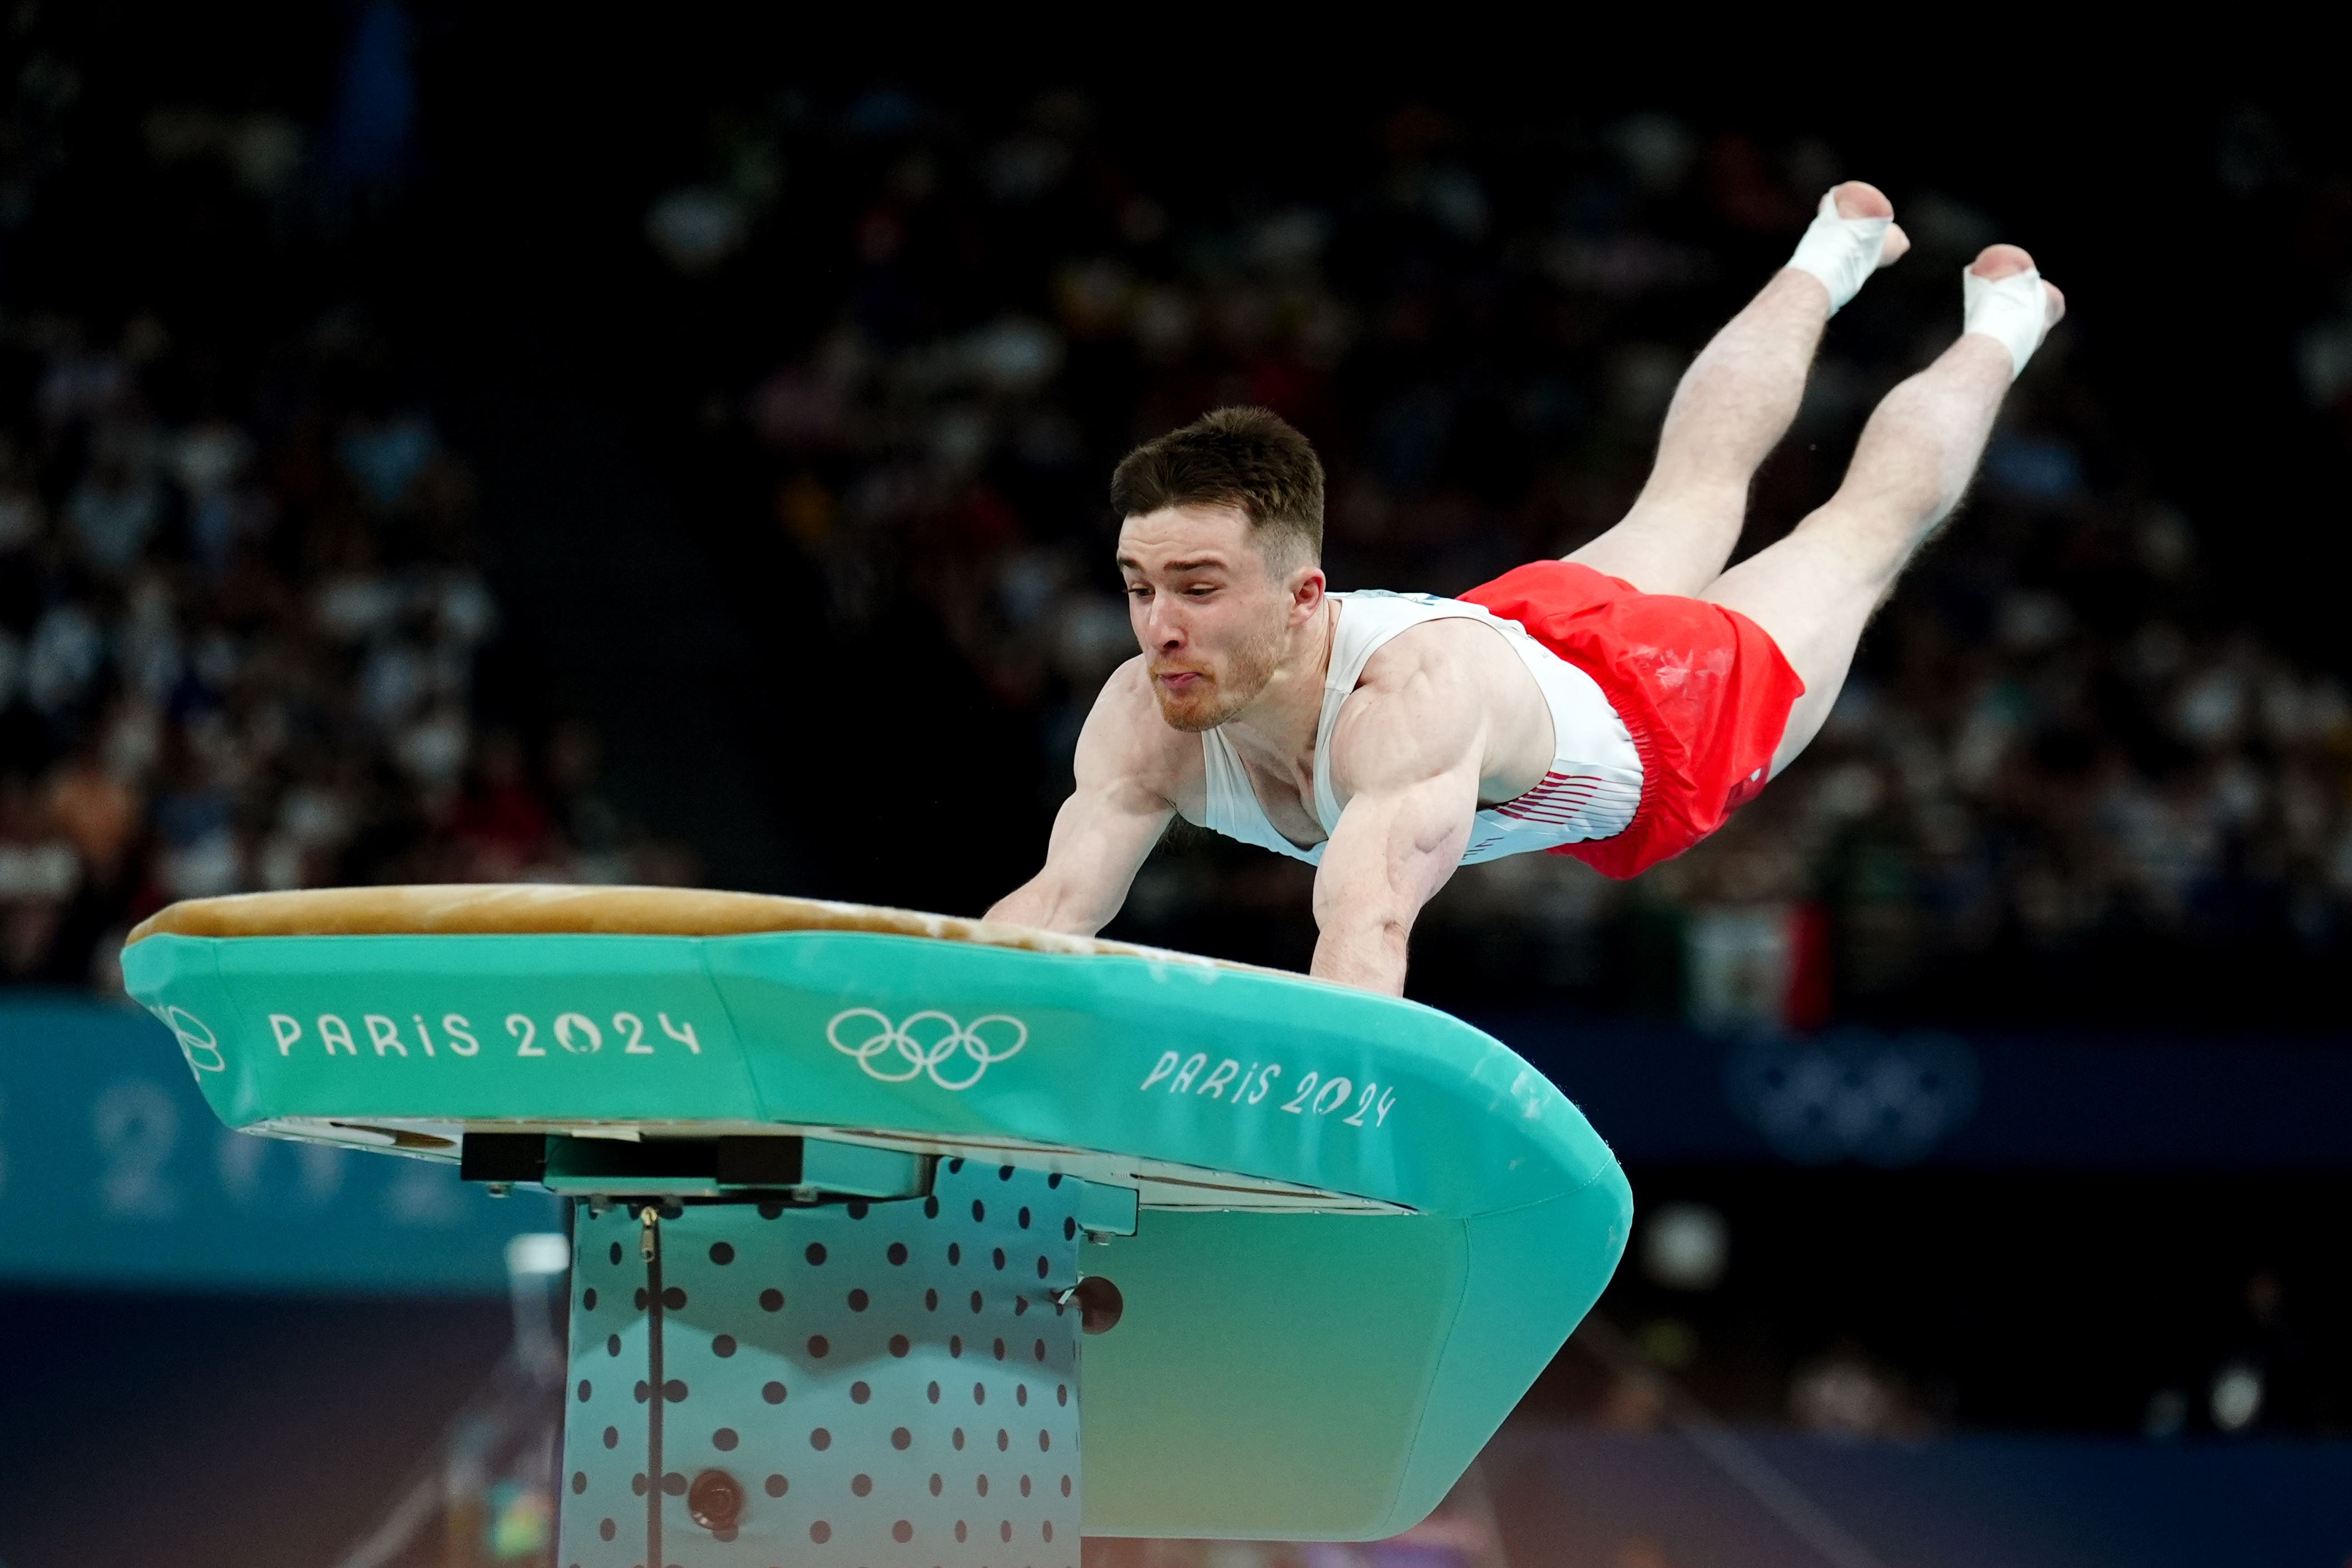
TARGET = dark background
(789,498)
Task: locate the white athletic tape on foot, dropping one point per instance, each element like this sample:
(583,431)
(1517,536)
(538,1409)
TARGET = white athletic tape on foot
(1842,252)
(2013,310)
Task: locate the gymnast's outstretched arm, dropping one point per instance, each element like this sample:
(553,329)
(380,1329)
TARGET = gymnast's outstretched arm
(1107,827)
(1408,752)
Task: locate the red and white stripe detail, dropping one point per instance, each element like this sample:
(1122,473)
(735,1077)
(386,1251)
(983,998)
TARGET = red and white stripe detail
(1559,797)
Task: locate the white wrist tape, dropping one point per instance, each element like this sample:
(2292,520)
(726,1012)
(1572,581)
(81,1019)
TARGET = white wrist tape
(1842,252)
(2013,311)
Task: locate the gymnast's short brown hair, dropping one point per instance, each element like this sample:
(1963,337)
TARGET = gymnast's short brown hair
(1247,458)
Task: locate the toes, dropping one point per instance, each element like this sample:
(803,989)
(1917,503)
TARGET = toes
(1855,199)
(1891,248)
(1999,261)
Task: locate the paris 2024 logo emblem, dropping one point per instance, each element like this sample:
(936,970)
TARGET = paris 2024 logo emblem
(953,1055)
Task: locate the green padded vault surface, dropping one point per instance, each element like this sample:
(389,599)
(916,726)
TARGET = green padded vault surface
(1364,1226)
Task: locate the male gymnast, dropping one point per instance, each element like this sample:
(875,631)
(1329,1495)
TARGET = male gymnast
(1616,705)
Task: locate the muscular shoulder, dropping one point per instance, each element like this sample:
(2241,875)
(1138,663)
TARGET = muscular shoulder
(1454,656)
(1125,738)
(1421,706)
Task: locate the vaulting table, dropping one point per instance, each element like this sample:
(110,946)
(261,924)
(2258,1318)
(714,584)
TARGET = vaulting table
(849,1182)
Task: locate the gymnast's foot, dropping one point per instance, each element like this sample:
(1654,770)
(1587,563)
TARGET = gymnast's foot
(1995,262)
(1861,199)
(2005,298)
(1852,235)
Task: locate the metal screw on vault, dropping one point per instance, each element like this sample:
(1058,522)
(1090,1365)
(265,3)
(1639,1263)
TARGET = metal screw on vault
(1098,1301)
(648,1238)
(715,1500)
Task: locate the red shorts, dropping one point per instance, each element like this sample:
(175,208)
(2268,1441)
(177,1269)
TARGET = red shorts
(1705,693)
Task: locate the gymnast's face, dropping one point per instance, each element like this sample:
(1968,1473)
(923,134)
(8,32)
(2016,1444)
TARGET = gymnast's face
(1214,615)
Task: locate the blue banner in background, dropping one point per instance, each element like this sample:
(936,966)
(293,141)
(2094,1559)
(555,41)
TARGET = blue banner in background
(114,1172)
(1664,1094)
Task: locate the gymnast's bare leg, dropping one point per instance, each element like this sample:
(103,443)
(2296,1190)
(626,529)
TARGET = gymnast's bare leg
(1814,591)
(1737,399)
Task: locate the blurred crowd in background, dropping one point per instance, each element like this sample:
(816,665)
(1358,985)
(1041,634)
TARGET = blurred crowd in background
(243,610)
(243,615)
(2070,751)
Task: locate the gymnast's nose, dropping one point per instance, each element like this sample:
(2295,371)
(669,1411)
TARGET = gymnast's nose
(1163,623)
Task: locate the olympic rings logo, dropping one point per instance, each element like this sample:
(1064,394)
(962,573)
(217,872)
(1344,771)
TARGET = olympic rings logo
(928,1042)
(1853,1094)
(197,1042)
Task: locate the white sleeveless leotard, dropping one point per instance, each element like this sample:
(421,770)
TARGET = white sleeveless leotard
(1590,792)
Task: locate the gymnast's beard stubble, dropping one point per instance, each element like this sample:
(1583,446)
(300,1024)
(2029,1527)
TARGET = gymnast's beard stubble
(1245,673)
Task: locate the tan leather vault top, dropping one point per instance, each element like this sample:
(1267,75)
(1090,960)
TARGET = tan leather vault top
(461,909)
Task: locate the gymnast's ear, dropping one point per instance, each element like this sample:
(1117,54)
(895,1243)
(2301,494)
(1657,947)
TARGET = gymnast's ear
(1304,582)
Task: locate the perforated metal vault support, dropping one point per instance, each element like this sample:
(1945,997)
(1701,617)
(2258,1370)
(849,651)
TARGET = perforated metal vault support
(883,1385)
